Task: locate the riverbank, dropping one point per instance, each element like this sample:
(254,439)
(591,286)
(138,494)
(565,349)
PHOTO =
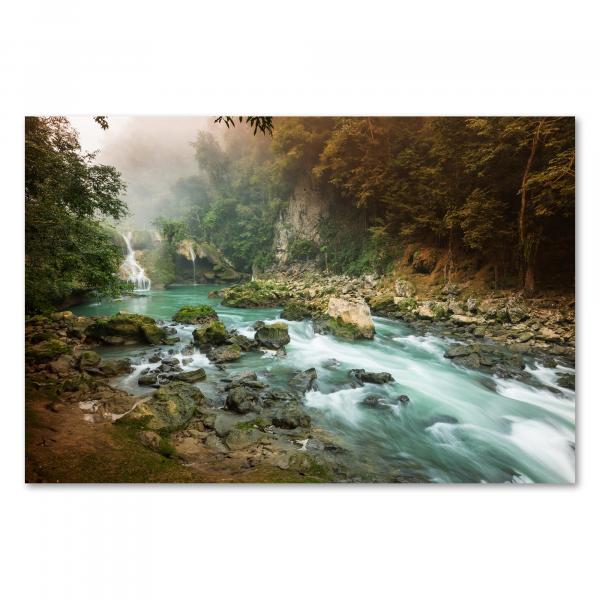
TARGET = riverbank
(431,392)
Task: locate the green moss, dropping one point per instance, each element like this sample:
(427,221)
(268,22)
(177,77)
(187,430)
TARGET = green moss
(199,313)
(213,333)
(256,294)
(296,311)
(258,423)
(47,350)
(126,325)
(159,264)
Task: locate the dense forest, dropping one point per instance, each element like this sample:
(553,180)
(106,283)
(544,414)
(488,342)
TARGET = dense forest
(495,192)
(500,189)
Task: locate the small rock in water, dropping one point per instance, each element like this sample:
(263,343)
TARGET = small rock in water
(366,377)
(403,399)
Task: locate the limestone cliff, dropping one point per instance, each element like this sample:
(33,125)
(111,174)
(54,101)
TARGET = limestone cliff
(300,219)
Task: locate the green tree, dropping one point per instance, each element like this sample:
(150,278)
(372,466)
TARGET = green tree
(66,197)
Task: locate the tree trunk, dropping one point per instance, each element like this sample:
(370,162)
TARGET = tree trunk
(528,253)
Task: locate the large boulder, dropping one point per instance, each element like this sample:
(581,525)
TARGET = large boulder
(211,334)
(274,336)
(291,416)
(191,376)
(256,294)
(227,353)
(242,400)
(169,408)
(352,317)
(304,381)
(125,328)
(112,368)
(199,314)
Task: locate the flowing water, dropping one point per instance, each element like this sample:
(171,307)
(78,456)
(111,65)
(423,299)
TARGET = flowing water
(135,273)
(459,426)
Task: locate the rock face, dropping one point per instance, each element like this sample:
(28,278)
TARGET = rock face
(353,313)
(170,407)
(404,289)
(204,261)
(126,328)
(273,336)
(301,219)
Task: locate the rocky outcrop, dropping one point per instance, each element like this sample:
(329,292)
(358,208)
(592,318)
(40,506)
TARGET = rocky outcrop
(170,408)
(126,328)
(198,314)
(301,219)
(212,334)
(273,336)
(349,318)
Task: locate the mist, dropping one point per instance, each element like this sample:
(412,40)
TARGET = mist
(152,154)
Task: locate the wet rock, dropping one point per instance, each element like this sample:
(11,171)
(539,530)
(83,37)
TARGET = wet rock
(224,354)
(245,343)
(113,368)
(148,379)
(350,318)
(367,377)
(296,311)
(374,402)
(199,314)
(273,336)
(154,358)
(213,333)
(187,350)
(169,408)
(567,380)
(403,399)
(304,381)
(191,376)
(472,361)
(291,416)
(242,400)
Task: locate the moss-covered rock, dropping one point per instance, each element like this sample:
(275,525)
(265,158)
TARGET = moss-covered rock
(256,294)
(126,327)
(198,314)
(47,350)
(170,408)
(227,353)
(274,336)
(297,311)
(89,360)
(212,334)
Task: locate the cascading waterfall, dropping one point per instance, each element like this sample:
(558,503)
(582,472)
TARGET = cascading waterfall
(135,273)
(192,256)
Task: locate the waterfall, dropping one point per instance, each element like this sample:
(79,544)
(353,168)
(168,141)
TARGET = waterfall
(193,259)
(135,273)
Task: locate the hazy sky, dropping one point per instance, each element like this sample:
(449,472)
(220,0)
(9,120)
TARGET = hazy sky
(152,153)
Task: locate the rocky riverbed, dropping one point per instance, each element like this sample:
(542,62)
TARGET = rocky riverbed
(192,389)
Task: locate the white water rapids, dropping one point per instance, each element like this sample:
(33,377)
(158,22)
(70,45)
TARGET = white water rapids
(460,425)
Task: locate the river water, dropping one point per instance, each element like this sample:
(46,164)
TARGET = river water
(460,426)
